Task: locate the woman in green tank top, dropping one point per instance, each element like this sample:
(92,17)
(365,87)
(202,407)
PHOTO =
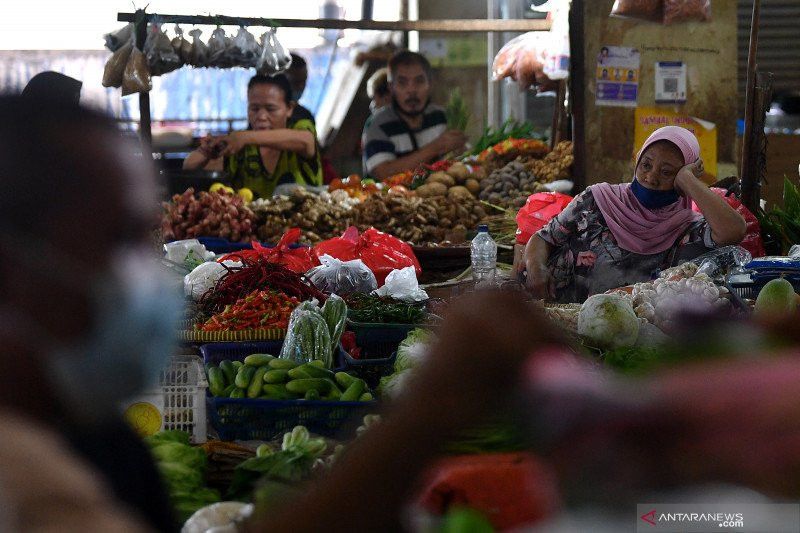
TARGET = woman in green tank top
(272,151)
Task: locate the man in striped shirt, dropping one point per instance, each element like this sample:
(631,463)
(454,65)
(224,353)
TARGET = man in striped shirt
(411,131)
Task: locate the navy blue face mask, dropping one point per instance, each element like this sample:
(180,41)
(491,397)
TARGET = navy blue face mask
(653,199)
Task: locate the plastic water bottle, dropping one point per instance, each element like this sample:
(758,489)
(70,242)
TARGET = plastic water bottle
(484,256)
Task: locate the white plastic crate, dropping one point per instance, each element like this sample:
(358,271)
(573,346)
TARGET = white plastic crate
(179,404)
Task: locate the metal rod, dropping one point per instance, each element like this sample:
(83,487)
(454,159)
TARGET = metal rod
(145,128)
(443,25)
(749,189)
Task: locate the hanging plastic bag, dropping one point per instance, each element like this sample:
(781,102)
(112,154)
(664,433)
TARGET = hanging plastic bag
(380,251)
(556,64)
(198,54)
(342,277)
(538,211)
(161,57)
(687,11)
(119,38)
(218,49)
(137,74)
(245,50)
(274,57)
(402,285)
(181,46)
(114,71)
(649,10)
(506,59)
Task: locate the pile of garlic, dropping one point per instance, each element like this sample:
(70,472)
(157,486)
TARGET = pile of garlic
(679,290)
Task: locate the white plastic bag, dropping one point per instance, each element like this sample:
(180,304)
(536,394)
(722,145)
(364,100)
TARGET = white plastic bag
(274,57)
(191,249)
(556,64)
(402,285)
(198,51)
(218,55)
(119,38)
(161,57)
(245,50)
(200,280)
(342,277)
(218,515)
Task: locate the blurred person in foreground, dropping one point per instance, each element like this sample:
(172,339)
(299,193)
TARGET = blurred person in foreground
(85,322)
(411,131)
(55,87)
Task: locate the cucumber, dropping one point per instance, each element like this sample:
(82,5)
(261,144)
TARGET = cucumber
(317,363)
(237,365)
(258,359)
(263,450)
(310,370)
(344,379)
(313,394)
(276,376)
(229,370)
(302,386)
(282,364)
(254,390)
(216,380)
(244,376)
(354,391)
(238,393)
(228,390)
(366,397)
(275,392)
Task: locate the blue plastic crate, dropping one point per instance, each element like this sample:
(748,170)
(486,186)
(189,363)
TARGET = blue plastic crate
(378,343)
(259,419)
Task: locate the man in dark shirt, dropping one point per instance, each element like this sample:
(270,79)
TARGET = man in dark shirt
(298,75)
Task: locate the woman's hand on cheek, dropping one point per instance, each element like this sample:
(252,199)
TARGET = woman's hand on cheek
(687,175)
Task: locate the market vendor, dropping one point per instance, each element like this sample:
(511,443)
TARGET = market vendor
(411,131)
(615,235)
(272,151)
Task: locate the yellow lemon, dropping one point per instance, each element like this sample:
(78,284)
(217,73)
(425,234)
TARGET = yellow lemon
(229,190)
(246,194)
(216,187)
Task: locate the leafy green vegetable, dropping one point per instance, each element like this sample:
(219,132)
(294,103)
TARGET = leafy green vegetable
(465,520)
(411,349)
(495,437)
(176,452)
(376,309)
(510,128)
(180,477)
(784,223)
(457,111)
(168,436)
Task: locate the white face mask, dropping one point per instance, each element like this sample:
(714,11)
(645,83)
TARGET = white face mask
(134,322)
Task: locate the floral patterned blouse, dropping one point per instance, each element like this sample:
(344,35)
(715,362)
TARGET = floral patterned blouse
(586,259)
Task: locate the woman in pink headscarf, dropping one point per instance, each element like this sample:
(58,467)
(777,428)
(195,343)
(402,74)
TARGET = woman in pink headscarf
(615,235)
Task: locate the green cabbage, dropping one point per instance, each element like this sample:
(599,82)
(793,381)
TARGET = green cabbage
(608,321)
(412,350)
(174,452)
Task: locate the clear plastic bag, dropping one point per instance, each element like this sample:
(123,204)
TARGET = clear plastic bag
(342,277)
(687,11)
(137,74)
(245,49)
(650,10)
(335,314)
(161,57)
(402,285)
(522,59)
(114,71)
(218,54)
(556,64)
(119,38)
(794,251)
(307,338)
(181,46)
(721,261)
(198,53)
(274,57)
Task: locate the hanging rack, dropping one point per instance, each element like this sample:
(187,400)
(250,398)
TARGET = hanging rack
(141,19)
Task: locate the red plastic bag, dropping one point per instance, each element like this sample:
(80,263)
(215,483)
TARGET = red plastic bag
(752,241)
(299,259)
(380,251)
(538,211)
(511,489)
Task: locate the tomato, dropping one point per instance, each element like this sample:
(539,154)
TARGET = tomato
(335,185)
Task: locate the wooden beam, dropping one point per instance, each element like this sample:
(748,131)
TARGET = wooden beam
(577,91)
(442,25)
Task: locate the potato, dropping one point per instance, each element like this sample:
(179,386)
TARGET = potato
(431,189)
(441,177)
(473,186)
(459,193)
(459,171)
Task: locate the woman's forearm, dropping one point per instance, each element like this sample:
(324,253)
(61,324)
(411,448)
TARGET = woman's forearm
(537,251)
(298,141)
(195,160)
(727,226)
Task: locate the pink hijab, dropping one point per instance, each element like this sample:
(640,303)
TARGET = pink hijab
(636,228)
